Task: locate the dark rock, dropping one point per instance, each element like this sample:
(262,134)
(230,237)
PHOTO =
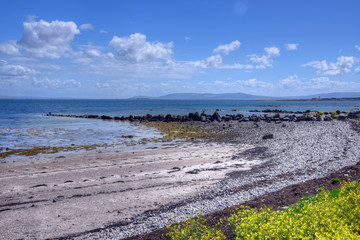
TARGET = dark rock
(245,119)
(285,119)
(196,117)
(341,116)
(195,171)
(215,117)
(276,115)
(104,117)
(168,118)
(268,136)
(355,114)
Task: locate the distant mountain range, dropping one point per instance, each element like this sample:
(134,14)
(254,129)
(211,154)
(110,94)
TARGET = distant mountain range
(244,96)
(221,96)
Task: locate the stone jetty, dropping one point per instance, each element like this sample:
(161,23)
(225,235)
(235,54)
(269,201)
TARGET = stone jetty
(276,116)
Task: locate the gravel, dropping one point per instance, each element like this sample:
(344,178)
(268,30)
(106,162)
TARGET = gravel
(297,152)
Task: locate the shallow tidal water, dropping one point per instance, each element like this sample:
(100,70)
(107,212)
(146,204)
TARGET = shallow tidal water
(23,123)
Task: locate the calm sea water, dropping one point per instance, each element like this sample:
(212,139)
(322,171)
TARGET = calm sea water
(23,123)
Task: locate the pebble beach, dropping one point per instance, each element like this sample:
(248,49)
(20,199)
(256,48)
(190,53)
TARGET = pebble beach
(111,194)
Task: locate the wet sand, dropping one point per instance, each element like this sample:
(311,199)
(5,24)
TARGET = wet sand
(59,195)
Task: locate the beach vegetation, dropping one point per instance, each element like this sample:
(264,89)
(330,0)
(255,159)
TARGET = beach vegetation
(335,180)
(328,215)
(180,130)
(195,228)
(46,150)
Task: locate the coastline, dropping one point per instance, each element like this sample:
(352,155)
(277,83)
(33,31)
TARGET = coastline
(218,174)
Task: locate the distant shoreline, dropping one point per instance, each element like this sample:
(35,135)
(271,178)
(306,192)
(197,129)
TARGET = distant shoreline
(318,99)
(208,99)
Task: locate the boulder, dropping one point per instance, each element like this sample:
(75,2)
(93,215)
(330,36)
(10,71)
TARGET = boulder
(328,119)
(196,117)
(354,114)
(215,117)
(268,136)
(104,117)
(341,116)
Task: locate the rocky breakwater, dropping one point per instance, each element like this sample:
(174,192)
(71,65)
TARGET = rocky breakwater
(276,116)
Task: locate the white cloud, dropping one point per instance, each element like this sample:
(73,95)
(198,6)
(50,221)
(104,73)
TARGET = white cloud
(93,52)
(56,83)
(136,49)
(227,48)
(86,26)
(8,70)
(272,52)
(9,48)
(210,62)
(187,39)
(289,82)
(357,70)
(315,85)
(103,32)
(342,66)
(324,83)
(213,61)
(265,61)
(51,40)
(357,47)
(291,46)
(254,83)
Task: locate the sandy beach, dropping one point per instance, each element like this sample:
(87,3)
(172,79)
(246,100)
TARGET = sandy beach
(113,194)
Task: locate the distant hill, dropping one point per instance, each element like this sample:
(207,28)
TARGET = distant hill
(244,96)
(334,95)
(142,97)
(214,96)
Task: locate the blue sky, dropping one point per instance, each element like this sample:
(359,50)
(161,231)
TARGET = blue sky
(119,49)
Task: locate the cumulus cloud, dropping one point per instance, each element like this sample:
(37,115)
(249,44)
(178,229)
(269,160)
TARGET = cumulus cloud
(9,70)
(135,49)
(51,40)
(254,83)
(291,46)
(314,85)
(227,48)
(9,48)
(266,60)
(86,26)
(289,82)
(357,70)
(210,62)
(56,83)
(93,52)
(342,66)
(324,83)
(213,61)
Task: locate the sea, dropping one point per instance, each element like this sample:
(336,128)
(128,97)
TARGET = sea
(24,124)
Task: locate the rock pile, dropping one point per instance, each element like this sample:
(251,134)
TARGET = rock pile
(203,117)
